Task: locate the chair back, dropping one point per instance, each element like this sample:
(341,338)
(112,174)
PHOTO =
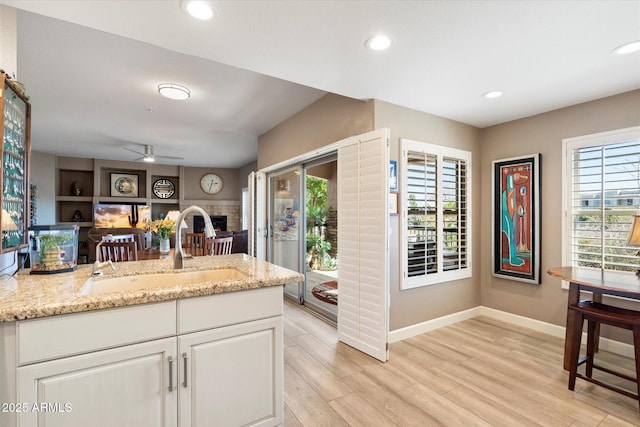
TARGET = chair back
(220,246)
(194,244)
(118,251)
(123,238)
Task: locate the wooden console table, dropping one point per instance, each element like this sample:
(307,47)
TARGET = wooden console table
(153,253)
(600,282)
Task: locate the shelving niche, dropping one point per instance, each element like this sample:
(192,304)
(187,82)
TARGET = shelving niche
(93,178)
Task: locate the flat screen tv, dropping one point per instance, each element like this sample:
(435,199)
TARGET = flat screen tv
(110,215)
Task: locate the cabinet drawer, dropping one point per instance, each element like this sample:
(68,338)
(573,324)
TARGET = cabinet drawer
(65,335)
(212,311)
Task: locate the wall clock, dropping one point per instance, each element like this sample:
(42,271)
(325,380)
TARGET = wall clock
(211,183)
(163,188)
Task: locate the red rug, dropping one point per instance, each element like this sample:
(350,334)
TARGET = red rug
(327,292)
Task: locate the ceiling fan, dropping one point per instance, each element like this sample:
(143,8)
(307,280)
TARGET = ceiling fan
(148,155)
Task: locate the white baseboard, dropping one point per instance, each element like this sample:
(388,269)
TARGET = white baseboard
(537,325)
(433,324)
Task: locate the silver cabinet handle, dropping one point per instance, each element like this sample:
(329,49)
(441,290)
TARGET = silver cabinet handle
(184,359)
(170,373)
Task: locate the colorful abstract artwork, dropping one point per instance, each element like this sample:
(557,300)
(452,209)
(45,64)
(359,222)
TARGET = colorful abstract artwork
(516,218)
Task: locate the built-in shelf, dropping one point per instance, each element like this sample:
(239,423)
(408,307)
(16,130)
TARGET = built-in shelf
(137,200)
(77,199)
(165,201)
(80,224)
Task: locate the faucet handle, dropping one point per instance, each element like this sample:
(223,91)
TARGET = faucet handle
(113,267)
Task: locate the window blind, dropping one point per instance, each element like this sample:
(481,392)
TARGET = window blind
(437,230)
(604,196)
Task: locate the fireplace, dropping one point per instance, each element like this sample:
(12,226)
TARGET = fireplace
(219,223)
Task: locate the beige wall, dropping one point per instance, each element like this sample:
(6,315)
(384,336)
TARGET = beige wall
(328,120)
(417,305)
(43,172)
(230,189)
(8,43)
(542,134)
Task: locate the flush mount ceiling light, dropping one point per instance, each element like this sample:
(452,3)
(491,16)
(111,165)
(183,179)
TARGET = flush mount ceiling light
(378,42)
(199,9)
(627,48)
(173,91)
(492,94)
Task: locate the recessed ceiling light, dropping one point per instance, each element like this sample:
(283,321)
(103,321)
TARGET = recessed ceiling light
(378,42)
(492,94)
(199,9)
(173,91)
(626,48)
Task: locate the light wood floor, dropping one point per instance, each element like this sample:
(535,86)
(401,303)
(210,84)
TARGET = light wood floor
(480,372)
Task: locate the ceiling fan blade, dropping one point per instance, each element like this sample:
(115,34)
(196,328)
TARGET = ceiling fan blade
(149,155)
(168,157)
(133,151)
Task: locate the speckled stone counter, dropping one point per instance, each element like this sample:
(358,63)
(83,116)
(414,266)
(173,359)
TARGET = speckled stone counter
(26,296)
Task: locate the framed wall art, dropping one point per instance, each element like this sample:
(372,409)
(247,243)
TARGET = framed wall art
(393,175)
(516,218)
(124,185)
(393,203)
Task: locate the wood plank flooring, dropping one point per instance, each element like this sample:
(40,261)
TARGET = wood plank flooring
(480,372)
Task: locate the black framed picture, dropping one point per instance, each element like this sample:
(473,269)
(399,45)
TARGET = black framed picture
(516,218)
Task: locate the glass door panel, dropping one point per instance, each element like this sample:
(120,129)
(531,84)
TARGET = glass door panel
(285,229)
(321,237)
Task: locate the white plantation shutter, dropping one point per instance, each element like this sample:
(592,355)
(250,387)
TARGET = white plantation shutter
(602,195)
(436,212)
(257,214)
(363,164)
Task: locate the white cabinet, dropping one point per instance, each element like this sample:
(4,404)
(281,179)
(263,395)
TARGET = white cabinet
(223,383)
(125,386)
(166,368)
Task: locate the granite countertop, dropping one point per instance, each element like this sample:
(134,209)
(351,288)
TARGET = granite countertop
(27,296)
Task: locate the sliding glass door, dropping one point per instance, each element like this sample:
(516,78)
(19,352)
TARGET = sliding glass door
(321,236)
(302,231)
(285,230)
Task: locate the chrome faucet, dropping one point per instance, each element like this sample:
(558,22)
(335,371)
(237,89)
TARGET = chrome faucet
(97,265)
(178,255)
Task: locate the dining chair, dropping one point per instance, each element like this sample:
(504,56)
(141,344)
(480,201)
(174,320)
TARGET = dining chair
(219,246)
(123,238)
(118,251)
(194,244)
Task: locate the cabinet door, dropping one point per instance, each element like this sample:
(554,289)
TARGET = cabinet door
(234,375)
(126,386)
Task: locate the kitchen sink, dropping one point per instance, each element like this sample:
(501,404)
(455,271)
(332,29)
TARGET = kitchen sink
(99,285)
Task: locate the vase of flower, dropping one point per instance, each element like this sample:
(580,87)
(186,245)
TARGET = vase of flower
(165,246)
(163,229)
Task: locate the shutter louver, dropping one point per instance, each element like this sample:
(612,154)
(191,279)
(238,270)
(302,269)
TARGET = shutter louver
(436,214)
(363,164)
(605,194)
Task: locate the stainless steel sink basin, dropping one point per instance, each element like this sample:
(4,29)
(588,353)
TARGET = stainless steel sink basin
(96,286)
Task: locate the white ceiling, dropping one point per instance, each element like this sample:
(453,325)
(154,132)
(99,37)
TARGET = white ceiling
(91,90)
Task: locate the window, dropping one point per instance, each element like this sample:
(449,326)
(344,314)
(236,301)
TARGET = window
(602,193)
(436,214)
(245,209)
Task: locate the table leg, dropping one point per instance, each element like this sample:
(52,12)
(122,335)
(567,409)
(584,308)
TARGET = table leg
(597,297)
(572,319)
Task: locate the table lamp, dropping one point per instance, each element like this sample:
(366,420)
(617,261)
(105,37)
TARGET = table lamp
(8,224)
(174,216)
(634,235)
